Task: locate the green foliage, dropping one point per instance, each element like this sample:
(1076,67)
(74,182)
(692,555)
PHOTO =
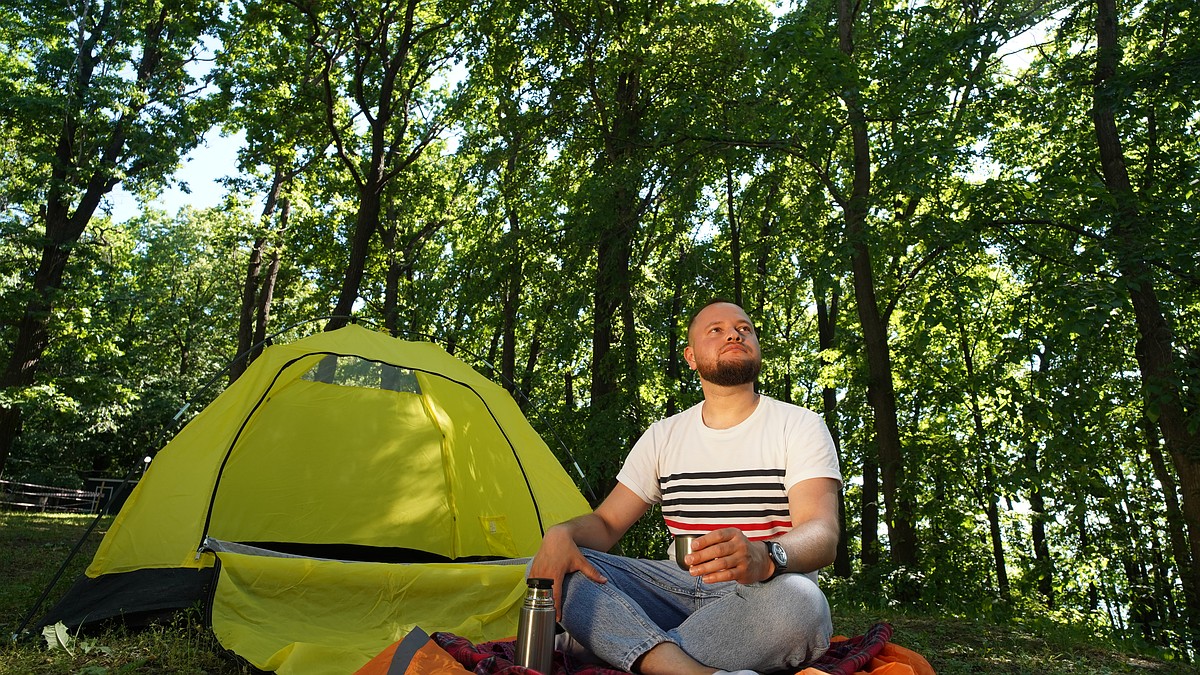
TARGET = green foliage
(953,642)
(92,69)
(141,332)
(553,175)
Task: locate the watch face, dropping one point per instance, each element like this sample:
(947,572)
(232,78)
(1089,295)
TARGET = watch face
(778,555)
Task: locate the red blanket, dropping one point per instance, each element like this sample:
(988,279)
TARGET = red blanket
(868,653)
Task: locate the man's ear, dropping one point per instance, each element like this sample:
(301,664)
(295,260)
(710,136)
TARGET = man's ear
(690,357)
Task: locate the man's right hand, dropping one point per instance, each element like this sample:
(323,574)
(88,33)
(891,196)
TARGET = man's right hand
(559,554)
(557,557)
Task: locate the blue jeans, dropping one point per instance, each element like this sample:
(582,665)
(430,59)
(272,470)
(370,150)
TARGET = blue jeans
(780,624)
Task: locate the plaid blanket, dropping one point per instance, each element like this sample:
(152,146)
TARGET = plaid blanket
(499,657)
(844,657)
(847,657)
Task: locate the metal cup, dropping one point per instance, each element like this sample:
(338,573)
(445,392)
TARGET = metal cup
(683,546)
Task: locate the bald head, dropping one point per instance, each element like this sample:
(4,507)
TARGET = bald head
(723,346)
(712,304)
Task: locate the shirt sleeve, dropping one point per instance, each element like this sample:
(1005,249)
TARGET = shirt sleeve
(810,450)
(639,473)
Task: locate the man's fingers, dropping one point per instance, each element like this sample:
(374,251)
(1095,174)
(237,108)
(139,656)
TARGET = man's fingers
(724,555)
(724,568)
(591,572)
(583,567)
(558,587)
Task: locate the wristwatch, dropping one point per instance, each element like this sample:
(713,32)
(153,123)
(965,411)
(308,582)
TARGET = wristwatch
(778,556)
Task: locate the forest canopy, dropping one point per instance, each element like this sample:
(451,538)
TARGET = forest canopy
(968,233)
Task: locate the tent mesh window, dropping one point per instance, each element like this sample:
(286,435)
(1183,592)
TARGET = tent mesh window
(352,371)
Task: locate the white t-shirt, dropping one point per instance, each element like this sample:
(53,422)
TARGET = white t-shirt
(706,479)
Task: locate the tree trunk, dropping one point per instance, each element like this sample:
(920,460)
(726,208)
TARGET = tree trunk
(870,511)
(1085,549)
(880,389)
(987,479)
(826,328)
(493,350)
(766,252)
(612,292)
(388,149)
(266,293)
(535,351)
(365,225)
(32,331)
(1163,594)
(64,227)
(997,540)
(511,285)
(735,237)
(253,280)
(1159,579)
(1176,527)
(250,285)
(63,230)
(674,372)
(460,318)
(613,284)
(1130,238)
(1131,536)
(393,272)
(1043,564)
(509,305)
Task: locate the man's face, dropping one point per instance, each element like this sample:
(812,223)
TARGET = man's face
(723,346)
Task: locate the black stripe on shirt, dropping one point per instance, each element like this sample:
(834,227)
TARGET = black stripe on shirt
(709,475)
(679,514)
(771,499)
(723,487)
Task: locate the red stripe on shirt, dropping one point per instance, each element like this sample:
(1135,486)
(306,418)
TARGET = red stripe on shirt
(785,525)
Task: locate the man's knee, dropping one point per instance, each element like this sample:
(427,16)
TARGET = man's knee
(797,604)
(577,579)
(793,612)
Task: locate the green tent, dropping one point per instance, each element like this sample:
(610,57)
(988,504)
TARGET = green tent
(348,487)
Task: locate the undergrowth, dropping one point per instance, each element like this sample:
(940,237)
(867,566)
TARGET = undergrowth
(32,547)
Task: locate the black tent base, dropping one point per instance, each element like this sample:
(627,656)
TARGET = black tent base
(137,598)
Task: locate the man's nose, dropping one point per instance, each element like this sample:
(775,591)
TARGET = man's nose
(734,336)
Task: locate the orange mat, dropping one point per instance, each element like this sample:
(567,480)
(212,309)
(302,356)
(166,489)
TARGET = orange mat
(891,660)
(418,654)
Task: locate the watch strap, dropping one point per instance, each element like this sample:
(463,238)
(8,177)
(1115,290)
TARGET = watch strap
(773,552)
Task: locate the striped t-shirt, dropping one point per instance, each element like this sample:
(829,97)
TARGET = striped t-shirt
(706,479)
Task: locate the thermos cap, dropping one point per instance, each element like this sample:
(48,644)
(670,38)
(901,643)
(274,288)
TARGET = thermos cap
(537,582)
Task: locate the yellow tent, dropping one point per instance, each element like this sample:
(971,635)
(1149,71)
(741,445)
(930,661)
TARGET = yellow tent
(346,488)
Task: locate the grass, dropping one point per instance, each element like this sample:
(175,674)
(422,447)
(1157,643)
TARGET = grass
(33,546)
(957,645)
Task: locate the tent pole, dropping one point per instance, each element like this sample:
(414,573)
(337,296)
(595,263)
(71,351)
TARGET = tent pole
(24,625)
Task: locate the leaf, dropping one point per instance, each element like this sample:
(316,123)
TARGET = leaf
(57,637)
(89,646)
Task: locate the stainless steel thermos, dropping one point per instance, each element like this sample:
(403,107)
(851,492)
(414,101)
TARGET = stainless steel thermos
(535,632)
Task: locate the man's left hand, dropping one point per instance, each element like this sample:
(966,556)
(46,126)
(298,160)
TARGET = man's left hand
(727,555)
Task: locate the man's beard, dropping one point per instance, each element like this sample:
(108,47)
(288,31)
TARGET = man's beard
(730,373)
